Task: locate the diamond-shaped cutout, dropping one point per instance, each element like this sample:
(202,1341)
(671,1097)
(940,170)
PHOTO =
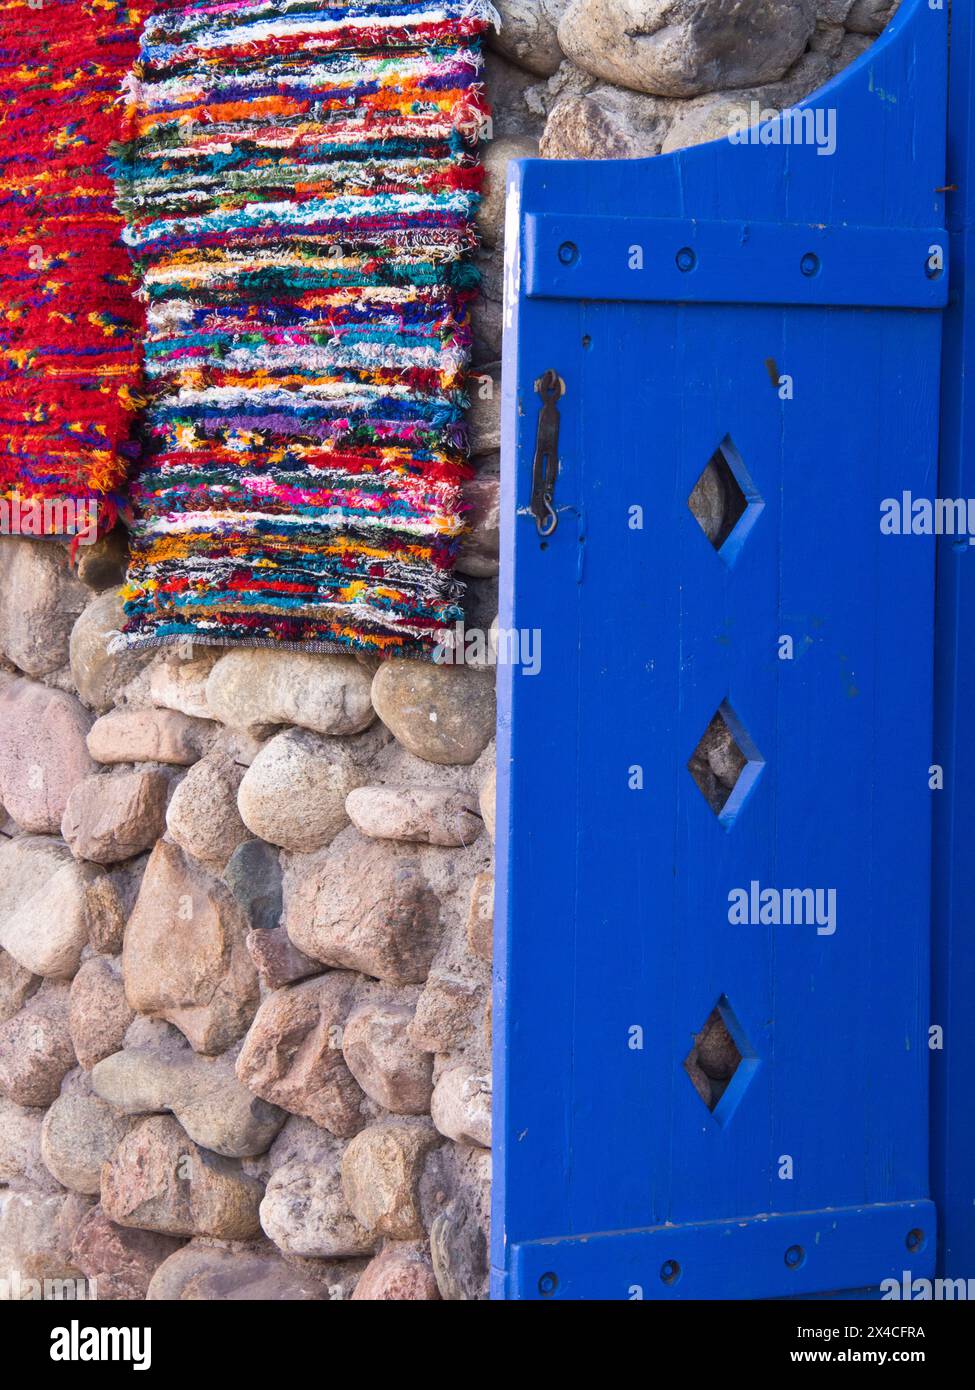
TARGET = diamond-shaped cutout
(725,502)
(722,1062)
(726,764)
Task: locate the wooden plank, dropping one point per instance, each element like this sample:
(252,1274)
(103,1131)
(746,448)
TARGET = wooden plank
(691,261)
(784,1257)
(953,1114)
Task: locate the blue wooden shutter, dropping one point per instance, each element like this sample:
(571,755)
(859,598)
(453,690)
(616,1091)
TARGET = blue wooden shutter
(670,297)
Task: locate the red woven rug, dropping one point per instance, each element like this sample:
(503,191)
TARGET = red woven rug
(70,330)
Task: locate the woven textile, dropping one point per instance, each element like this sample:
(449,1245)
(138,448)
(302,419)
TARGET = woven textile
(300,185)
(70,329)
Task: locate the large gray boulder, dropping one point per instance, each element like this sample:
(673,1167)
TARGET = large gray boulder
(681,48)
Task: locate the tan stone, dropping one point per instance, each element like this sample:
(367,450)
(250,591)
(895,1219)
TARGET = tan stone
(79,1134)
(294,792)
(304,1210)
(39,601)
(150,736)
(498,153)
(21,1165)
(199,1273)
(185,956)
(381,1170)
(681,48)
(480,917)
(179,682)
(461,1105)
(101,663)
(213,1107)
(328,694)
(487,799)
(447,1012)
(203,816)
(527,33)
(48,902)
(607,123)
(444,714)
(105,912)
(420,815)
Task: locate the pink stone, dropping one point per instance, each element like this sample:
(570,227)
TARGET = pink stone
(403,1272)
(292,1055)
(35,1048)
(42,753)
(159,1180)
(364,905)
(389,1068)
(119,1260)
(98,1012)
(112,818)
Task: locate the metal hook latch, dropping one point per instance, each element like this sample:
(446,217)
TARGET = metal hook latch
(546,468)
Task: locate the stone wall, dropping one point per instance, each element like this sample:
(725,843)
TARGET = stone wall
(246,897)
(243,980)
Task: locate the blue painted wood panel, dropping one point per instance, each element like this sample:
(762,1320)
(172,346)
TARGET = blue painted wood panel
(613,902)
(953,1128)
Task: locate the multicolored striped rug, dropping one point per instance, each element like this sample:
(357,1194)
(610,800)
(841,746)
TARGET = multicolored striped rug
(300,186)
(70,329)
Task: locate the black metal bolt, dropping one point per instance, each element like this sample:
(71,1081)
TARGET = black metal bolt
(568,253)
(795,1257)
(810,264)
(548,1284)
(686,259)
